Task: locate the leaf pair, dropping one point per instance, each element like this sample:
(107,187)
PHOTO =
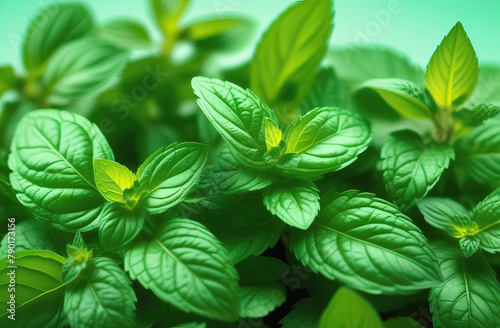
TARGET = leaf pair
(323,140)
(477,228)
(52,158)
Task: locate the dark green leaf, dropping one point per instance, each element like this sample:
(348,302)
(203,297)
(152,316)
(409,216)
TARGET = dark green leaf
(306,314)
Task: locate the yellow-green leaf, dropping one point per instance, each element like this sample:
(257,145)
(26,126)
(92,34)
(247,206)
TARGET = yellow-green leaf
(168,13)
(348,309)
(453,70)
(112,179)
(273,134)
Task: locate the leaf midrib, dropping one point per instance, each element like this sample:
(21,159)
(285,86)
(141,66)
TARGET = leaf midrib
(47,142)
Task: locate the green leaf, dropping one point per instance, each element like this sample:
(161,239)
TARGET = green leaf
(295,201)
(469,296)
(222,34)
(306,314)
(104,298)
(239,117)
(359,63)
(112,179)
(327,91)
(488,85)
(284,65)
(230,178)
(412,168)
(392,255)
(54,26)
(126,34)
(33,234)
(402,322)
(478,154)
(348,309)
(453,70)
(325,139)
(8,79)
(51,161)
(168,175)
(487,216)
(168,13)
(440,212)
(469,245)
(82,68)
(475,115)
(404,96)
(120,225)
(244,229)
(38,288)
(184,253)
(260,292)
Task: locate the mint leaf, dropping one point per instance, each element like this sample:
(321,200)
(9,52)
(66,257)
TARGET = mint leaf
(185,253)
(478,154)
(475,115)
(487,216)
(469,296)
(167,14)
(38,288)
(388,247)
(34,234)
(328,90)
(261,288)
(112,179)
(230,178)
(239,117)
(295,201)
(51,161)
(82,68)
(126,34)
(453,70)
(248,228)
(305,314)
(439,212)
(284,65)
(469,245)
(103,298)
(168,175)
(412,168)
(359,63)
(325,139)
(348,309)
(407,98)
(54,26)
(120,225)
(219,35)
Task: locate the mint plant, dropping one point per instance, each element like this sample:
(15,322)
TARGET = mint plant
(146,184)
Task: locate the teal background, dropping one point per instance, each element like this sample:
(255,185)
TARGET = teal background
(414,27)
